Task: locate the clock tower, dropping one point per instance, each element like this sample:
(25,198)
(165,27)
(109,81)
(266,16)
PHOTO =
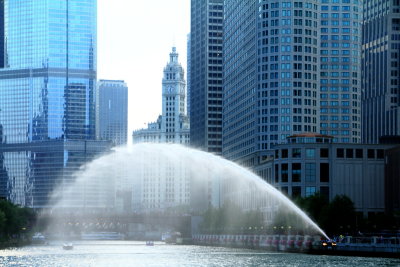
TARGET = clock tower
(174,118)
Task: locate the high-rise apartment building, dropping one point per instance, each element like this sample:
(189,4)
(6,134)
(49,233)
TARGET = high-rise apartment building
(47,95)
(112,111)
(271,81)
(206,39)
(381,70)
(340,70)
(290,68)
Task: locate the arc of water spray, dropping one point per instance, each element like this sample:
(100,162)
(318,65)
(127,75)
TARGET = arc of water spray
(174,153)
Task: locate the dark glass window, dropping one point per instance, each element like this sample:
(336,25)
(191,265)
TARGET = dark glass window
(371,153)
(324,152)
(310,190)
(284,153)
(380,153)
(277,154)
(276,173)
(296,191)
(324,191)
(296,152)
(310,153)
(349,153)
(324,172)
(340,153)
(359,153)
(296,172)
(285,173)
(310,172)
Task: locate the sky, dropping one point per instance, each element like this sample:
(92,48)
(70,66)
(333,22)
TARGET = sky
(135,38)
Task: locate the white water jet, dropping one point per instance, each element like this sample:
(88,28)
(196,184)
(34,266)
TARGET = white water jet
(161,176)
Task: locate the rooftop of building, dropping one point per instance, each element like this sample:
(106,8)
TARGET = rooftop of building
(309,138)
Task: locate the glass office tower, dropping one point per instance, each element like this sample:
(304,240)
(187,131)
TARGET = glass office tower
(205,75)
(340,89)
(271,76)
(381,70)
(47,89)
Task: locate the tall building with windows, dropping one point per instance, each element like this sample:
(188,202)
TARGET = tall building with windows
(112,121)
(340,73)
(206,39)
(47,95)
(173,125)
(381,70)
(271,75)
(188,61)
(163,182)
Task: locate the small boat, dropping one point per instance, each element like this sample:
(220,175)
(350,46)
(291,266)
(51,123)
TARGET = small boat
(149,243)
(68,246)
(38,238)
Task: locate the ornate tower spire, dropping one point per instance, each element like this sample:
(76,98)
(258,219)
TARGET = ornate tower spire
(173,55)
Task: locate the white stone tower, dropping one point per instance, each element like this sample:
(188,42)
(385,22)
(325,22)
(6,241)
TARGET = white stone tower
(174,101)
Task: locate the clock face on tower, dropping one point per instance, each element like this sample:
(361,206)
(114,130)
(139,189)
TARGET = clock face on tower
(170,89)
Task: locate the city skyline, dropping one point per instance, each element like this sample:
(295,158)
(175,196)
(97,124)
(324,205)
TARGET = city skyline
(137,56)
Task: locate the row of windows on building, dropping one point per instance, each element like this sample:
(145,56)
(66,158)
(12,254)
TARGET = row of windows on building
(349,153)
(295,191)
(294,174)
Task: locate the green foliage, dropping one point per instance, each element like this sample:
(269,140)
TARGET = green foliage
(14,220)
(286,221)
(336,217)
(230,219)
(340,216)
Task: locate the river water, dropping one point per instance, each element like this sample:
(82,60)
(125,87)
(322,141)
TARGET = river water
(129,253)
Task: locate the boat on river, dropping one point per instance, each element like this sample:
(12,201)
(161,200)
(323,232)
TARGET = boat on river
(38,238)
(102,236)
(68,246)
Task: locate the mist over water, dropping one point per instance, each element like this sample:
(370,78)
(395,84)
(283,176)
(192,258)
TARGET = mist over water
(147,177)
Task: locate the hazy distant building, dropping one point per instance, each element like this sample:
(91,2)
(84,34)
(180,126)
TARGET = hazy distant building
(165,184)
(173,125)
(48,52)
(206,35)
(113,111)
(381,70)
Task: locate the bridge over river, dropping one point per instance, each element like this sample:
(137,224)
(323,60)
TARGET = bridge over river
(133,225)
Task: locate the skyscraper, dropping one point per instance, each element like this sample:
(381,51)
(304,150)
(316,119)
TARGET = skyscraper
(47,95)
(188,61)
(290,68)
(381,70)
(113,111)
(270,75)
(206,75)
(340,70)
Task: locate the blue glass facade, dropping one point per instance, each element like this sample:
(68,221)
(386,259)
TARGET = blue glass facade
(47,89)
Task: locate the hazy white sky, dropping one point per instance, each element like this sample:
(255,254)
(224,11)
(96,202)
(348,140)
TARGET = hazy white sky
(135,38)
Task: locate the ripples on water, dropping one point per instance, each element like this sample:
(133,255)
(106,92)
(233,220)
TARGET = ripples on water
(127,253)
